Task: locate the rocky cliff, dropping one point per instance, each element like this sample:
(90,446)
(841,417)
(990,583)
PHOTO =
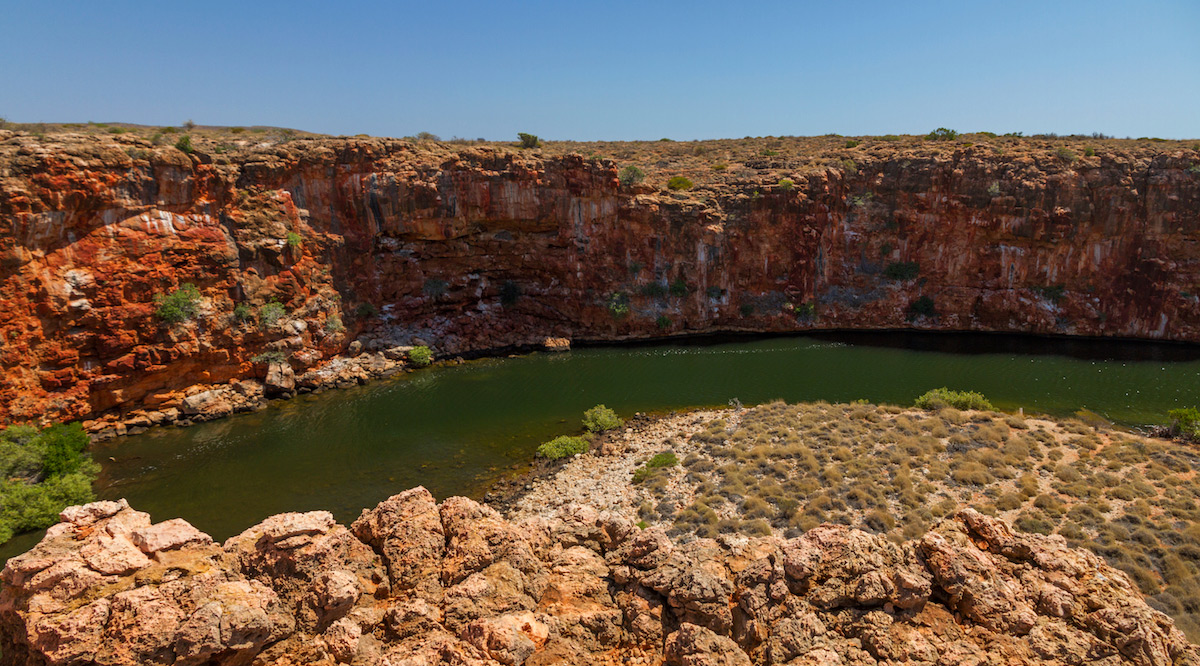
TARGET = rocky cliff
(480,247)
(413,582)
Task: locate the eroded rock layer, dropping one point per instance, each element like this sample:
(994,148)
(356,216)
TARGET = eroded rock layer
(414,582)
(392,243)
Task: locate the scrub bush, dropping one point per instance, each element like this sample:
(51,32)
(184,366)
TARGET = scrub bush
(420,356)
(601,418)
(270,313)
(944,397)
(680,183)
(562,446)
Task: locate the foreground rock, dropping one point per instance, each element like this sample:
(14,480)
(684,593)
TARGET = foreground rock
(414,582)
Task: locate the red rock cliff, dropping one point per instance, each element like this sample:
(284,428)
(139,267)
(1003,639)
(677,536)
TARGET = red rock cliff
(484,247)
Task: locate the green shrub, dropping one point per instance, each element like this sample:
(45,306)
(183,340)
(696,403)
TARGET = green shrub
(185,144)
(680,183)
(435,288)
(562,446)
(851,143)
(242,312)
(237,130)
(786,184)
(294,239)
(333,324)
(528,140)
(272,356)
(631,175)
(714,293)
(365,311)
(510,293)
(659,461)
(1186,421)
(270,313)
(1053,293)
(44,472)
(180,305)
(64,445)
(902,270)
(746,309)
(601,418)
(1089,152)
(663,322)
(618,304)
(944,397)
(653,290)
(1066,154)
(942,134)
(921,307)
(679,288)
(420,356)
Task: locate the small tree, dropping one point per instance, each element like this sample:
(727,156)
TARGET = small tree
(942,134)
(528,140)
(189,125)
(185,144)
(631,175)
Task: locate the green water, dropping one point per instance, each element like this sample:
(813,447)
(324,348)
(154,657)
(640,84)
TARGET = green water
(456,429)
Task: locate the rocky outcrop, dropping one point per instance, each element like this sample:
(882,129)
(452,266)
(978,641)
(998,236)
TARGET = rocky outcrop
(414,582)
(352,249)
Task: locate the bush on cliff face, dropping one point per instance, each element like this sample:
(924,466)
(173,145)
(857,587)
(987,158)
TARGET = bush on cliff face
(185,144)
(921,307)
(270,313)
(179,305)
(562,446)
(618,305)
(601,418)
(42,473)
(902,270)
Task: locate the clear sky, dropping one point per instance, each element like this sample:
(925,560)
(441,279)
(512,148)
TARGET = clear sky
(569,69)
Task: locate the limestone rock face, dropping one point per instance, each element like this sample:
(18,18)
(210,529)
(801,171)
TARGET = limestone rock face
(414,582)
(483,248)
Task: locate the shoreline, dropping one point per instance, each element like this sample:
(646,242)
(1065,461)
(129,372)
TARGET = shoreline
(208,402)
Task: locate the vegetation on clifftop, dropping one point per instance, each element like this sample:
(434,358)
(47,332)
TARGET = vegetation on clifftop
(43,472)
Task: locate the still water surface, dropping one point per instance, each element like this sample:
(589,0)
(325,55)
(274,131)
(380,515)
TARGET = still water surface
(456,429)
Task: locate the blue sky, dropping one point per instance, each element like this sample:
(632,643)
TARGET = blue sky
(611,70)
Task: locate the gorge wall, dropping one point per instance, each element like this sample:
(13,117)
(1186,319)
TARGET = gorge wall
(387,243)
